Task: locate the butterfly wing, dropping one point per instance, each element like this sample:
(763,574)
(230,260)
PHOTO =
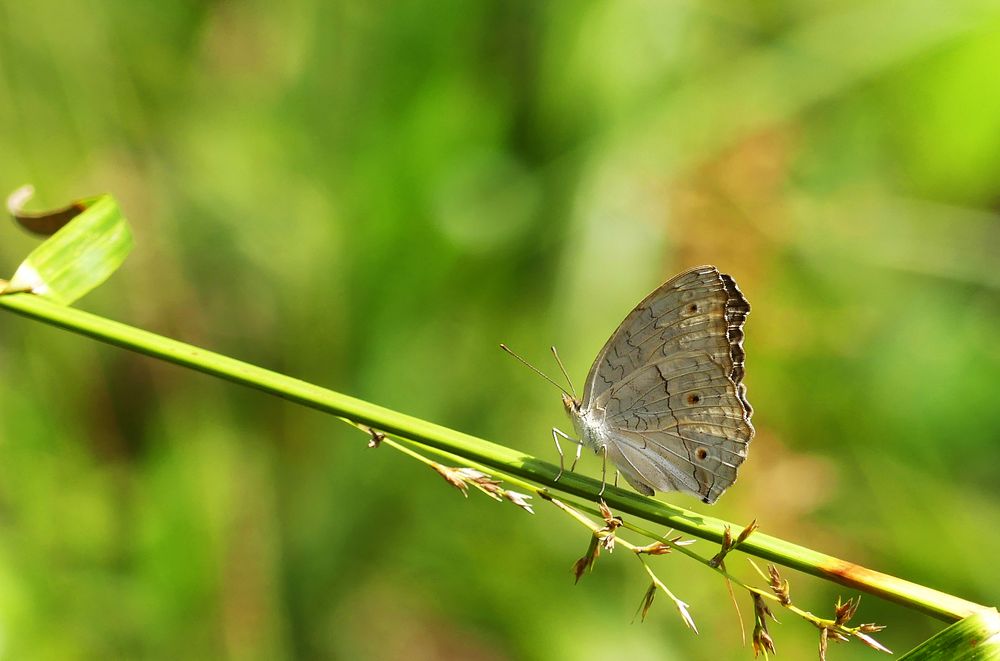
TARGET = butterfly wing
(667,387)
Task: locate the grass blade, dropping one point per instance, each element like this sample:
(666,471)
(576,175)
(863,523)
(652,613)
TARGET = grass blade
(89,240)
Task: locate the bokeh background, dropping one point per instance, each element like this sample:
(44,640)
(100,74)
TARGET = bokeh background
(372,196)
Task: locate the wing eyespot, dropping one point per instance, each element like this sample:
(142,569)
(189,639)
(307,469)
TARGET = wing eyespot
(701,454)
(693,398)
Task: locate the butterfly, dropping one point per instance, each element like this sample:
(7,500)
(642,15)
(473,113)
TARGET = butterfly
(664,400)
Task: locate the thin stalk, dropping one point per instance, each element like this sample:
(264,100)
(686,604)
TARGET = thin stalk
(911,595)
(597,531)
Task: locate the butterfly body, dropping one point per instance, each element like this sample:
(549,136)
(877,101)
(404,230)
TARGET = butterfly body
(588,424)
(664,398)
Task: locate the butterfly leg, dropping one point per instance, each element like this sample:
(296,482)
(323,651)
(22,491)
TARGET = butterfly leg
(579,449)
(556,433)
(604,470)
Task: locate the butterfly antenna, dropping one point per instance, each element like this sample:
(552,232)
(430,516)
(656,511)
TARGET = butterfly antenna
(562,368)
(534,369)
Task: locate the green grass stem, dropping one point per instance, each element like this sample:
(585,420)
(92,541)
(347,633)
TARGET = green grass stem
(912,595)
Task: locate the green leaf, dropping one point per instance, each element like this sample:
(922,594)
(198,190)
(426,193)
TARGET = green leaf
(89,241)
(974,638)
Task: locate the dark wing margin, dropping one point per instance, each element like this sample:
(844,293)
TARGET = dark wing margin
(737,309)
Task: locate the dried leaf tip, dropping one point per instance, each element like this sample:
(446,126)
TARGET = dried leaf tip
(44,223)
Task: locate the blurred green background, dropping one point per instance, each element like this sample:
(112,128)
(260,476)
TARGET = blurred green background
(372,196)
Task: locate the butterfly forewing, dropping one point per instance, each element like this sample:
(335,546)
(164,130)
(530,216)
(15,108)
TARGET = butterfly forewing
(668,385)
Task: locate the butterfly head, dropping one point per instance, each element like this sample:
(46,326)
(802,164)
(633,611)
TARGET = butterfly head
(572,405)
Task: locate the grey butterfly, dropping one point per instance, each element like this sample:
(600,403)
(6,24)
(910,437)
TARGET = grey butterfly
(665,399)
